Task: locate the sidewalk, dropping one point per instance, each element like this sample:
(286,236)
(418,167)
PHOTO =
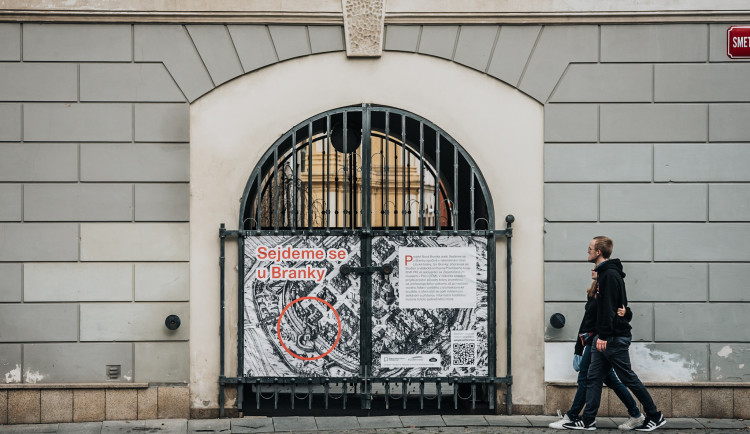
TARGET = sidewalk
(352,424)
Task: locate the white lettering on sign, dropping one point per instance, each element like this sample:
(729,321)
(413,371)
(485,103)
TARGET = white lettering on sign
(437,277)
(741,42)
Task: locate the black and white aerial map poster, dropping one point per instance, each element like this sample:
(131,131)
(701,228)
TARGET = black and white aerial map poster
(302,316)
(430,313)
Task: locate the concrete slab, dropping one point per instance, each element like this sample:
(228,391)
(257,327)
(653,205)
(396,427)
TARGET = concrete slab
(208,425)
(80,428)
(682,423)
(337,423)
(294,423)
(167,426)
(122,426)
(607,423)
(508,421)
(721,423)
(542,421)
(32,428)
(252,424)
(464,420)
(420,421)
(379,422)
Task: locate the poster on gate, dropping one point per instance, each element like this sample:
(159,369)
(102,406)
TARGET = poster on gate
(430,313)
(302,315)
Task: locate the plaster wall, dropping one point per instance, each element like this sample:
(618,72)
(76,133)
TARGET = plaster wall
(233,125)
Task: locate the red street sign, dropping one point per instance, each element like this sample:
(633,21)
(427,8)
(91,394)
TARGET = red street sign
(738,42)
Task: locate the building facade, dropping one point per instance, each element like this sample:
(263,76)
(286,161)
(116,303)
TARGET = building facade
(128,134)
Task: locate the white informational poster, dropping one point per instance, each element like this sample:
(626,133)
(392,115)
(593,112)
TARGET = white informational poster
(437,277)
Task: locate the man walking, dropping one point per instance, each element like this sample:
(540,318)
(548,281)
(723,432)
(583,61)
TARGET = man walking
(612,341)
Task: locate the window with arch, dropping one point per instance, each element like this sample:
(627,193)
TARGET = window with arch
(371,167)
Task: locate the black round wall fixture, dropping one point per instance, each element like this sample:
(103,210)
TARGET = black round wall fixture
(557,320)
(173,322)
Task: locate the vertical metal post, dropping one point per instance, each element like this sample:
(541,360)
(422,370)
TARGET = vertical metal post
(509,219)
(366,245)
(491,312)
(222,240)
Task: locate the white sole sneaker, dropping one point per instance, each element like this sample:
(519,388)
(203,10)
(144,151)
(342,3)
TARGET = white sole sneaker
(632,423)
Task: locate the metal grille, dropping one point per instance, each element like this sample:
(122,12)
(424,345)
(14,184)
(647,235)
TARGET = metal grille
(399,172)
(367,171)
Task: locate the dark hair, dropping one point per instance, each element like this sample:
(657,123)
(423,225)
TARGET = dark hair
(592,289)
(605,245)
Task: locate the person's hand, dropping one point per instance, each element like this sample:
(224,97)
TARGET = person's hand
(601,345)
(621,311)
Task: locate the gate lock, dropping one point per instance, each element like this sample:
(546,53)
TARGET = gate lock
(386,269)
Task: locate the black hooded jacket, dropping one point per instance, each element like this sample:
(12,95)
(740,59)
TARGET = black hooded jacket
(610,294)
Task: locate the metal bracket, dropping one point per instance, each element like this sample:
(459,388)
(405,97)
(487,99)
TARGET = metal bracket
(385,269)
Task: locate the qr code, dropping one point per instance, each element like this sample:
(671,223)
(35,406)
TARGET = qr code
(464,354)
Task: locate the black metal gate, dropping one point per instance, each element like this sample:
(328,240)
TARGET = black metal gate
(374,207)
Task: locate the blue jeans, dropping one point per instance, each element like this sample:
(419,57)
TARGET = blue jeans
(610,380)
(615,356)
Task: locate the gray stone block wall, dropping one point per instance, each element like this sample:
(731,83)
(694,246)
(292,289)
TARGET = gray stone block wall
(94,198)
(646,140)
(649,144)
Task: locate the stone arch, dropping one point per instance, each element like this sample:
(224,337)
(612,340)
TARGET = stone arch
(498,126)
(201,57)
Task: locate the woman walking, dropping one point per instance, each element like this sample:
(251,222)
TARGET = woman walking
(583,349)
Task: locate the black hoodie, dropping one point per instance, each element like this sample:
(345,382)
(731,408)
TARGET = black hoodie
(610,294)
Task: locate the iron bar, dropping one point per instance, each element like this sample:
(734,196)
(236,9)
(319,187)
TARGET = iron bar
(403,175)
(455,394)
(473,396)
(471,189)
(421,177)
(346,174)
(328,179)
(439,394)
(455,189)
(293,386)
(309,177)
(257,396)
(387,163)
(295,174)
(509,219)
(421,394)
(404,391)
(438,202)
(343,396)
(275,201)
(222,242)
(327,388)
(387,394)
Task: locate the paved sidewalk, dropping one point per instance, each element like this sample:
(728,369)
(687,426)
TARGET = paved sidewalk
(372,424)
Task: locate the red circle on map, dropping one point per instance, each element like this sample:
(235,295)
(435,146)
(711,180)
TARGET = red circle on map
(278,328)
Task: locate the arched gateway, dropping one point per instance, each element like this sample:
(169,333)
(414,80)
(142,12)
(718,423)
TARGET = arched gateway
(367,253)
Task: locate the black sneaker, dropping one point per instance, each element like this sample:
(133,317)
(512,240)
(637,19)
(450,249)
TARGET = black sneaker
(651,424)
(580,425)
